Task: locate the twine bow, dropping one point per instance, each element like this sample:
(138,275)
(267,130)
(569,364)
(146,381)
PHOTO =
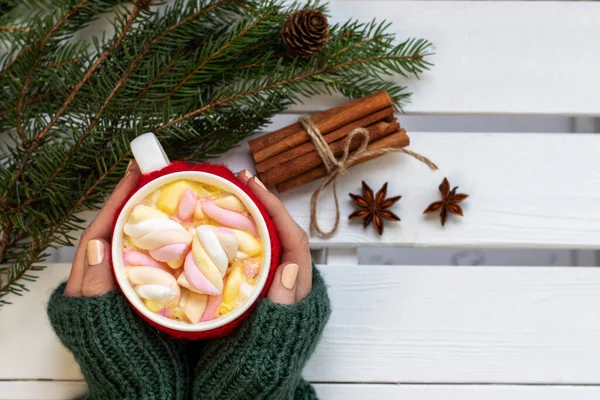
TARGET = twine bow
(339,166)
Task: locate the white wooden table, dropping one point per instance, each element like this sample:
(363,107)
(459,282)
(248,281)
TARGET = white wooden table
(430,333)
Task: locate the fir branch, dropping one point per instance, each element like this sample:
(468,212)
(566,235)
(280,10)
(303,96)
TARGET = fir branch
(153,82)
(40,136)
(14,29)
(63,162)
(30,102)
(293,80)
(61,63)
(212,56)
(40,51)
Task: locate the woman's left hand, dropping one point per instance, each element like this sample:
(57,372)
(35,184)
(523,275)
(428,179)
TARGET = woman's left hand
(91,273)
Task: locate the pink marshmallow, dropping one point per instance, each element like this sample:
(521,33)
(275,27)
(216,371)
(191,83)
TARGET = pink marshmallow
(212,307)
(228,218)
(196,278)
(187,205)
(137,258)
(169,252)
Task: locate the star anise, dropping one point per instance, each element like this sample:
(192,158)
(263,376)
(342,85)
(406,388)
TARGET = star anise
(374,208)
(449,203)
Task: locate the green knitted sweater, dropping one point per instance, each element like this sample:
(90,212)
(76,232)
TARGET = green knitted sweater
(122,357)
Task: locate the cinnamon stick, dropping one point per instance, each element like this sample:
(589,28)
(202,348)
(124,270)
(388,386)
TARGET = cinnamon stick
(306,162)
(267,146)
(396,140)
(331,137)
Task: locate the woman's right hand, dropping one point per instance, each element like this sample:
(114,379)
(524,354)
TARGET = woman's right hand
(293,278)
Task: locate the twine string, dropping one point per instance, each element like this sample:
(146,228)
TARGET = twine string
(339,166)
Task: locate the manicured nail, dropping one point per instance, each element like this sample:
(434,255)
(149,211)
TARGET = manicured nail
(259,183)
(246,174)
(129,167)
(95,252)
(289,275)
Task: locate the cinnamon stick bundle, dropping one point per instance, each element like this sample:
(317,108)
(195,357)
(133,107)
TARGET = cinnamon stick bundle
(396,140)
(270,145)
(288,157)
(299,165)
(387,114)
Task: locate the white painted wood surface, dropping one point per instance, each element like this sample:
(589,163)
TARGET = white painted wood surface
(61,390)
(461,324)
(454,392)
(495,57)
(395,324)
(525,191)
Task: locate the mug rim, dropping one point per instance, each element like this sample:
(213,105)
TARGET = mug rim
(119,266)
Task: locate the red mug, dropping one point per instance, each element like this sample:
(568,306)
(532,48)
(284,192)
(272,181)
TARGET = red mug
(158,171)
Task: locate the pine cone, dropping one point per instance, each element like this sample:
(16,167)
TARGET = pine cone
(305,32)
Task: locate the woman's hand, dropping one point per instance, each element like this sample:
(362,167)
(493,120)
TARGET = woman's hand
(91,274)
(293,278)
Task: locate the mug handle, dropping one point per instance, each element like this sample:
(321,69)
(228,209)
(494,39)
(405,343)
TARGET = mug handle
(149,153)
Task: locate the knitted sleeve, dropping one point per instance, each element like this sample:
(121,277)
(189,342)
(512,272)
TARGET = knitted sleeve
(264,358)
(121,356)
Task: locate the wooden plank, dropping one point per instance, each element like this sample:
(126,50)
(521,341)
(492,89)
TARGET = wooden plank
(493,57)
(42,390)
(460,324)
(398,325)
(454,392)
(526,191)
(60,390)
(29,349)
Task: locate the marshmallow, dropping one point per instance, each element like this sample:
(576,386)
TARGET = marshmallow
(195,306)
(210,243)
(170,253)
(247,243)
(198,213)
(228,240)
(201,272)
(245,291)
(231,203)
(153,230)
(153,276)
(212,307)
(232,286)
(137,258)
(154,292)
(187,205)
(184,283)
(196,279)
(228,218)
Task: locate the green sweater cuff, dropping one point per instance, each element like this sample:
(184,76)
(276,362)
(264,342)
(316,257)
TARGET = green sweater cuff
(120,355)
(264,358)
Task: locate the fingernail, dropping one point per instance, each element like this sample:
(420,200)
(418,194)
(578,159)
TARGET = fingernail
(246,174)
(128,167)
(259,183)
(95,252)
(289,275)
